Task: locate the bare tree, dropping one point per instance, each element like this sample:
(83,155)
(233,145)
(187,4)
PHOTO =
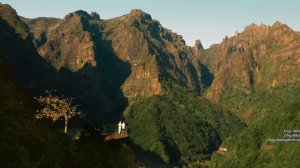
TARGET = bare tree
(55,107)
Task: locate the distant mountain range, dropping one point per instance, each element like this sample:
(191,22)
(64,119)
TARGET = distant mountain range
(132,63)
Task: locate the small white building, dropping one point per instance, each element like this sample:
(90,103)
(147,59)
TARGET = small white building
(223,149)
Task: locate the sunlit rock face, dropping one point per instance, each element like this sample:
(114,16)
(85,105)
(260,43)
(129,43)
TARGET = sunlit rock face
(260,57)
(67,42)
(155,54)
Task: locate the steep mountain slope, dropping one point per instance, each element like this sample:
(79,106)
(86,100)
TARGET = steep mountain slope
(259,58)
(154,53)
(19,51)
(97,90)
(25,142)
(66,42)
(257,77)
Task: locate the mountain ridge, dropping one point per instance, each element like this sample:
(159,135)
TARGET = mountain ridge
(132,64)
(250,51)
(138,26)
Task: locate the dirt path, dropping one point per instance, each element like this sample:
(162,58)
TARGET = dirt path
(115,136)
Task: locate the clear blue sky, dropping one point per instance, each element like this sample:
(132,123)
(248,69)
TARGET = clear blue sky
(207,20)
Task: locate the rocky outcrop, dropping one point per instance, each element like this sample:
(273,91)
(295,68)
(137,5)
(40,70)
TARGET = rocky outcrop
(155,54)
(260,57)
(39,28)
(67,43)
(10,16)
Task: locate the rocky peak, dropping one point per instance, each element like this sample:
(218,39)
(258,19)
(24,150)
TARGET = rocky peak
(82,13)
(78,13)
(277,24)
(244,58)
(10,15)
(255,30)
(251,26)
(95,15)
(7,10)
(68,43)
(282,34)
(198,48)
(254,33)
(198,44)
(255,27)
(264,28)
(138,13)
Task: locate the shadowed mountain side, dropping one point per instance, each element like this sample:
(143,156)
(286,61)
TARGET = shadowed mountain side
(29,68)
(96,89)
(147,158)
(27,143)
(207,77)
(154,53)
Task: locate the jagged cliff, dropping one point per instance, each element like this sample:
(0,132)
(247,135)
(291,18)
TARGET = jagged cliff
(96,89)
(260,57)
(155,54)
(104,64)
(257,74)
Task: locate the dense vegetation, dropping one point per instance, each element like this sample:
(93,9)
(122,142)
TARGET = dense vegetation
(25,142)
(268,113)
(179,126)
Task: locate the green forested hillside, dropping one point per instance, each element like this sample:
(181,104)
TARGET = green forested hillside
(271,112)
(179,126)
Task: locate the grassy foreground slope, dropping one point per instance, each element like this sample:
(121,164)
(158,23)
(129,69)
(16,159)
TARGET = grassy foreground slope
(25,142)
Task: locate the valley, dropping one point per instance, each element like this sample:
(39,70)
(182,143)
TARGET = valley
(181,103)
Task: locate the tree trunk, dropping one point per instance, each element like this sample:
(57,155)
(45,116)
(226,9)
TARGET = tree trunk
(66,124)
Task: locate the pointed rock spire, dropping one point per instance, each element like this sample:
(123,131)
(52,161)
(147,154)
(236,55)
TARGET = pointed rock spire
(198,44)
